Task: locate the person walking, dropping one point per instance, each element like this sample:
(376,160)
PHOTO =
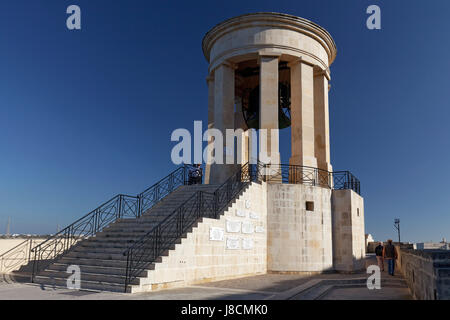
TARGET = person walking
(390,255)
(379,254)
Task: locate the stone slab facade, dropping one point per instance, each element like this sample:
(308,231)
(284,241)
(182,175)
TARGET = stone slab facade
(270,228)
(299,240)
(349,246)
(233,246)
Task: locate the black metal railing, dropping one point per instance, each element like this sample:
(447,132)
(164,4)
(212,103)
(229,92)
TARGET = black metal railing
(285,173)
(200,205)
(120,207)
(16,256)
(346,180)
(210,205)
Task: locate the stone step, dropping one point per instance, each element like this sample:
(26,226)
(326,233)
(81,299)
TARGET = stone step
(61,267)
(168,232)
(112,250)
(88,276)
(105,255)
(85,285)
(99,262)
(101,259)
(111,244)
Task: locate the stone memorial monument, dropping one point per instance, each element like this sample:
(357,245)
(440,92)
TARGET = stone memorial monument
(267,71)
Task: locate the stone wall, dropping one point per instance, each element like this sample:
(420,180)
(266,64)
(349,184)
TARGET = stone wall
(233,246)
(299,240)
(427,272)
(280,228)
(349,247)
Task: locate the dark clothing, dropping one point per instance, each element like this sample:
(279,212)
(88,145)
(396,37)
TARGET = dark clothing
(379,251)
(391,266)
(389,251)
(195,175)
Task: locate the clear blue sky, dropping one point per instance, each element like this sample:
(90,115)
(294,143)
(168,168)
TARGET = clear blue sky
(87,114)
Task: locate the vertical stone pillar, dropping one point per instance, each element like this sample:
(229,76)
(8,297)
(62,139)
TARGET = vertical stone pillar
(223,117)
(211,88)
(321,121)
(302,115)
(268,100)
(239,123)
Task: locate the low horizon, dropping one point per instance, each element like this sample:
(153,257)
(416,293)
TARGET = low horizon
(88,114)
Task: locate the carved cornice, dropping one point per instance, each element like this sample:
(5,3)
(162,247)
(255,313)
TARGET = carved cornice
(270,19)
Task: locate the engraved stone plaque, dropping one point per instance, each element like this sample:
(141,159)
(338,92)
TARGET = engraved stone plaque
(247,227)
(233,243)
(240,213)
(247,243)
(216,234)
(259,229)
(233,226)
(254,215)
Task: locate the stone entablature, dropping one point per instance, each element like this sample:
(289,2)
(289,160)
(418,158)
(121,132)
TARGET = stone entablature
(239,38)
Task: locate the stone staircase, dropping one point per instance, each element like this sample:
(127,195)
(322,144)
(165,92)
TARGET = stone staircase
(101,259)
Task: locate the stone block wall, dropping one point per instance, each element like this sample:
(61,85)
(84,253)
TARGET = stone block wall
(233,246)
(348,231)
(299,240)
(427,272)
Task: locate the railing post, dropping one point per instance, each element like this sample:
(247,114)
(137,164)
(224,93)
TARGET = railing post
(120,206)
(330,180)
(139,213)
(215,205)
(127,270)
(33,268)
(31,247)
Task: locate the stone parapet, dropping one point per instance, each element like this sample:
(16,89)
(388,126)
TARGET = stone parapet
(427,272)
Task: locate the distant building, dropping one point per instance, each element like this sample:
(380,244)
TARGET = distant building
(443,245)
(369,239)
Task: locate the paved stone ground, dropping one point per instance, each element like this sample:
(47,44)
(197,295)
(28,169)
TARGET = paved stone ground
(263,287)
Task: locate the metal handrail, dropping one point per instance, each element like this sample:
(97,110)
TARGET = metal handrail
(296,174)
(201,204)
(19,253)
(204,204)
(118,207)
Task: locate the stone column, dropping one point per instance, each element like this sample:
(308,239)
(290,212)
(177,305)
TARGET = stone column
(321,121)
(223,117)
(302,114)
(239,123)
(211,88)
(268,100)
